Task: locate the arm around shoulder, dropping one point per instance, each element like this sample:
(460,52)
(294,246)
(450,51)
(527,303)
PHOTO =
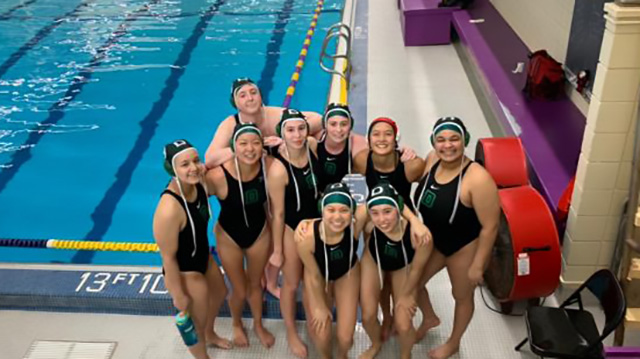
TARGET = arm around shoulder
(414,169)
(360,162)
(218,151)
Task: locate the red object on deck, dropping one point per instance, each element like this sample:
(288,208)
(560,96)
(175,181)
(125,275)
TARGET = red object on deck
(505,160)
(535,239)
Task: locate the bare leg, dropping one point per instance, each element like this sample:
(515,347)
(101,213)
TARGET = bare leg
(369,301)
(346,298)
(292,271)
(257,257)
(321,338)
(458,268)
(217,294)
(403,321)
(271,274)
(232,259)
(195,285)
(385,305)
(429,318)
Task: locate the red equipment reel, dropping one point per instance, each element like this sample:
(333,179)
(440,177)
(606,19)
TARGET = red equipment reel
(526,259)
(505,160)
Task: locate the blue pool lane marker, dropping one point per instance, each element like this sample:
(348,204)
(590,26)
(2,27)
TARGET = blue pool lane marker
(103,213)
(41,34)
(5,15)
(273,51)
(56,111)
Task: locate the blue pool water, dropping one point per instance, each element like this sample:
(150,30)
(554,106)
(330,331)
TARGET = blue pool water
(90,91)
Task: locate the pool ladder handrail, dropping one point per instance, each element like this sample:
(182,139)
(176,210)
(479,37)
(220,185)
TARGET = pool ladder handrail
(336,30)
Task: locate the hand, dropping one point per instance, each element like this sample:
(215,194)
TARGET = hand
(320,319)
(475,274)
(302,230)
(181,302)
(407,154)
(272,141)
(276,259)
(408,304)
(420,234)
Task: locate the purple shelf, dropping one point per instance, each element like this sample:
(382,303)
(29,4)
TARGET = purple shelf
(551,131)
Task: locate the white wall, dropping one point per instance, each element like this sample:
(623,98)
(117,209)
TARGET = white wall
(541,24)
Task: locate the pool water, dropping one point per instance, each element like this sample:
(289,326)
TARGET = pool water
(90,91)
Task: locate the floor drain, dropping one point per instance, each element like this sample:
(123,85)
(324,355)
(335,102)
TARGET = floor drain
(49,349)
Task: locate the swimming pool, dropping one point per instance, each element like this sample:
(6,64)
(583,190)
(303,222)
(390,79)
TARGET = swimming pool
(90,91)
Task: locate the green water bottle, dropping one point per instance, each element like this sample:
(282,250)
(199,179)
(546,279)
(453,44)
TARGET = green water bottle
(186,328)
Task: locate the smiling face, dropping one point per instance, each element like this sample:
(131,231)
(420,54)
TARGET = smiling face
(248,148)
(295,133)
(449,145)
(188,167)
(338,128)
(336,217)
(384,217)
(382,139)
(248,99)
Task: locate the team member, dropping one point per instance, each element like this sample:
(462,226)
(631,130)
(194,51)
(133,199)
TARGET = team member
(242,231)
(381,163)
(292,180)
(247,99)
(458,201)
(338,146)
(327,249)
(193,279)
(391,253)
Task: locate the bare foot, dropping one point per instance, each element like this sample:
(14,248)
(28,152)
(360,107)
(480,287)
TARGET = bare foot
(444,351)
(240,337)
(371,352)
(297,347)
(387,328)
(425,326)
(215,341)
(266,338)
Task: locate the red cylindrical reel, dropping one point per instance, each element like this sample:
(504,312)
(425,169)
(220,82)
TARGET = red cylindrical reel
(505,160)
(526,260)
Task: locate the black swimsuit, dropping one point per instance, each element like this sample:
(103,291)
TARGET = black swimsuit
(308,201)
(333,167)
(397,178)
(199,211)
(337,254)
(436,207)
(232,218)
(390,251)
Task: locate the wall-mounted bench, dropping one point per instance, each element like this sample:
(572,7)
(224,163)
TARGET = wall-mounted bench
(551,131)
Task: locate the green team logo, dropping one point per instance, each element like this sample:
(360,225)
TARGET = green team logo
(310,179)
(330,168)
(336,255)
(251,196)
(204,211)
(429,199)
(390,251)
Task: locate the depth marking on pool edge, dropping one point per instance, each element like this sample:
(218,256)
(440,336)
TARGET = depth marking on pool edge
(103,213)
(56,111)
(41,34)
(273,51)
(8,13)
